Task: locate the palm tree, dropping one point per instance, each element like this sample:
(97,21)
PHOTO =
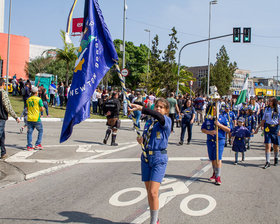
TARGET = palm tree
(67,54)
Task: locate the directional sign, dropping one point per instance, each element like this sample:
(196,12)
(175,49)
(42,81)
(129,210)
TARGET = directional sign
(124,72)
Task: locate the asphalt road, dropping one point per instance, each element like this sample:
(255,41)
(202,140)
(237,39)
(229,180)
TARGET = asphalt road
(84,181)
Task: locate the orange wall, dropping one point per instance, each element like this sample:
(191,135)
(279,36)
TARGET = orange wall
(19,54)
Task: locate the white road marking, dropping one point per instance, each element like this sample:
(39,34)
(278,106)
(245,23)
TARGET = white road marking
(64,163)
(142,218)
(185,208)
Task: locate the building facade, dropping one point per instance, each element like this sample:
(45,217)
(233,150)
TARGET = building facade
(19,55)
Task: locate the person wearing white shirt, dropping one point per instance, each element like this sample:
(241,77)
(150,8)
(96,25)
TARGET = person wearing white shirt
(94,101)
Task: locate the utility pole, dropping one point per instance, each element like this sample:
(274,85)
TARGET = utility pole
(8,48)
(277,77)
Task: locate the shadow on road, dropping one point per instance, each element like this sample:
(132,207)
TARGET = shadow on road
(89,142)
(72,217)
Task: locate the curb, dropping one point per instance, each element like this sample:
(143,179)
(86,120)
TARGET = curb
(53,119)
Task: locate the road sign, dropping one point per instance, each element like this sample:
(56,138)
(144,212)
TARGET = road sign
(124,72)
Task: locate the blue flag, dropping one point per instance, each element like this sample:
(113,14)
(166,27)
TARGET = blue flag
(96,55)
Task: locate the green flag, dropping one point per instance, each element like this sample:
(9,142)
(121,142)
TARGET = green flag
(244,92)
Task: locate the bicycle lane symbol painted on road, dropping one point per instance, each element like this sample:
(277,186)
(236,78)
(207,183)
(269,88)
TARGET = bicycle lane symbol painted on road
(178,188)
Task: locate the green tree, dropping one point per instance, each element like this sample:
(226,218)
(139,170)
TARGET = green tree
(135,62)
(169,68)
(37,65)
(222,72)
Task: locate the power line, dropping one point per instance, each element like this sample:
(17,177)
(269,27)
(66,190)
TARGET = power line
(196,35)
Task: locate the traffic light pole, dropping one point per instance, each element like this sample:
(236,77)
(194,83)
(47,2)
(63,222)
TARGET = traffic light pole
(196,42)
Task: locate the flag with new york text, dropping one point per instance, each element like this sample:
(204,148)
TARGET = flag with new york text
(96,55)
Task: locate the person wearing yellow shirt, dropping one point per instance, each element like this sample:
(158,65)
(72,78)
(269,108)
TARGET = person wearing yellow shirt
(34,108)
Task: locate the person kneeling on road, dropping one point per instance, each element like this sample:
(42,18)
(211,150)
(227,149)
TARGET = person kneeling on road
(111,109)
(34,106)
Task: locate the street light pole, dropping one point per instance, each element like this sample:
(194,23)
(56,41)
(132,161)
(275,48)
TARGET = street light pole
(148,69)
(8,48)
(123,65)
(208,72)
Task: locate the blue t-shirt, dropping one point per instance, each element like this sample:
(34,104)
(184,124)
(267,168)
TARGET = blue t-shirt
(209,125)
(230,116)
(240,132)
(270,118)
(188,113)
(159,135)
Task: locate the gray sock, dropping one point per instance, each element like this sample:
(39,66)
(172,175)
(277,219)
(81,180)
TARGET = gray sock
(276,154)
(236,157)
(154,216)
(218,172)
(267,157)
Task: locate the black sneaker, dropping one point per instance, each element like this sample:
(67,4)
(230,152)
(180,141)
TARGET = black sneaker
(275,161)
(188,143)
(267,164)
(114,144)
(105,141)
(180,143)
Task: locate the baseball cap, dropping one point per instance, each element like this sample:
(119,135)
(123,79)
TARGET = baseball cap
(34,89)
(241,119)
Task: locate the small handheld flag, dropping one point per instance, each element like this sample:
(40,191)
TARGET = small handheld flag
(96,55)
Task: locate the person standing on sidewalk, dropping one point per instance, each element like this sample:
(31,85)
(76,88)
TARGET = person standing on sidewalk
(5,109)
(34,108)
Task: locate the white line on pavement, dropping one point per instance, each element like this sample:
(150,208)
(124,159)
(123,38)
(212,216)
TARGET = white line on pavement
(142,218)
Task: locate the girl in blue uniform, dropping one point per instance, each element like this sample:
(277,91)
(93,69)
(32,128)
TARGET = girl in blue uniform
(270,124)
(239,134)
(209,128)
(155,140)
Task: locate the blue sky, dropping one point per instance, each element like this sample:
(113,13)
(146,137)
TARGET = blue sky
(41,20)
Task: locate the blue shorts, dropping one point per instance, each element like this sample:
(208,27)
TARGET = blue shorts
(271,135)
(211,147)
(154,170)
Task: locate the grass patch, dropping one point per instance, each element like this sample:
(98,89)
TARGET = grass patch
(57,112)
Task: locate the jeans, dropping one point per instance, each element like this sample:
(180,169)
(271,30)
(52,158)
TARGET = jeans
(46,107)
(30,128)
(137,115)
(94,107)
(186,125)
(125,108)
(2,137)
(172,116)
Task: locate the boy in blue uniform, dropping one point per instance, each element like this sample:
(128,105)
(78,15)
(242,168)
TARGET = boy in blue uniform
(209,128)
(270,124)
(239,133)
(154,159)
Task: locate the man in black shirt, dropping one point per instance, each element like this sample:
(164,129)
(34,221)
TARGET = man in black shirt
(111,110)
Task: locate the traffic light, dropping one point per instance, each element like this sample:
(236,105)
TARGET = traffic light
(246,35)
(236,34)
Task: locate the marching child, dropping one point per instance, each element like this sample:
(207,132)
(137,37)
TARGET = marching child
(239,133)
(209,127)
(154,158)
